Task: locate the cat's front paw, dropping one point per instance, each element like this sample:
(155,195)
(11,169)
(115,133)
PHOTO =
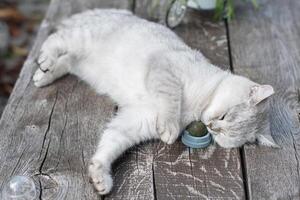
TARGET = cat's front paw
(46,61)
(100,178)
(168,131)
(41,78)
(44,75)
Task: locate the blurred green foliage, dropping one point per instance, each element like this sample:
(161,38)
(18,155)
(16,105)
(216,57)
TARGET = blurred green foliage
(225,8)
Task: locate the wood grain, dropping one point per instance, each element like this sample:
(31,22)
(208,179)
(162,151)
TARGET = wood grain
(133,174)
(50,133)
(266,47)
(213,173)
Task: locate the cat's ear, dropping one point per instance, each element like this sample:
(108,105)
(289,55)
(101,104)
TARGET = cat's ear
(260,92)
(266,140)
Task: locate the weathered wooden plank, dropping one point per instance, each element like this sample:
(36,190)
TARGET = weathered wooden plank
(201,32)
(213,173)
(50,133)
(133,174)
(3,101)
(183,173)
(266,47)
(63,9)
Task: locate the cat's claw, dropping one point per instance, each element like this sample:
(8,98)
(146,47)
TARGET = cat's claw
(100,178)
(168,132)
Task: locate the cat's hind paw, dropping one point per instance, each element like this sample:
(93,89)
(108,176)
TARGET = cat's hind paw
(100,178)
(168,131)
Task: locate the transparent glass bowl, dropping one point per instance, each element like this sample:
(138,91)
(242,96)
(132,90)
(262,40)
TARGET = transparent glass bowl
(19,188)
(176,13)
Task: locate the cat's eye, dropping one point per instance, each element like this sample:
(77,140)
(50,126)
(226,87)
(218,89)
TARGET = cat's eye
(222,117)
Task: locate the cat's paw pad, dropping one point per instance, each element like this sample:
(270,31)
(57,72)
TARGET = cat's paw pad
(100,178)
(168,131)
(41,78)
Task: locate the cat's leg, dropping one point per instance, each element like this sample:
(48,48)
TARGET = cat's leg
(54,61)
(167,91)
(129,127)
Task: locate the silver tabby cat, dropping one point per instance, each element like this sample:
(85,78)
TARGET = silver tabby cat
(159,83)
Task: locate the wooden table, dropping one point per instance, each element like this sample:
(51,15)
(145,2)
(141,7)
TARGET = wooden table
(51,133)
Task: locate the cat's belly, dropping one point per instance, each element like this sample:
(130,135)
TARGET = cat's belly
(120,78)
(117,55)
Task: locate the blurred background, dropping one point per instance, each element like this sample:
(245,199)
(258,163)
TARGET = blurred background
(19,22)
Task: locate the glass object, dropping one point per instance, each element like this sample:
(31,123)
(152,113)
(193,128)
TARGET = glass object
(202,4)
(19,188)
(176,12)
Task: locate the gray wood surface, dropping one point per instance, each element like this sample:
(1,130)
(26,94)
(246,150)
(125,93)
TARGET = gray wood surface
(50,133)
(266,47)
(213,173)
(133,174)
(3,101)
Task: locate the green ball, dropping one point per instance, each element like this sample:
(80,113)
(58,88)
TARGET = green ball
(197,129)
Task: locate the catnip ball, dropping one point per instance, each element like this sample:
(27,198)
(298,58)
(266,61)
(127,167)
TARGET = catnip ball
(197,129)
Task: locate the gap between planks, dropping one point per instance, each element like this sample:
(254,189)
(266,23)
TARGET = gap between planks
(241,149)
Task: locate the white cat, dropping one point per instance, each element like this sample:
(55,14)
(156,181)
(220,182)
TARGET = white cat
(159,83)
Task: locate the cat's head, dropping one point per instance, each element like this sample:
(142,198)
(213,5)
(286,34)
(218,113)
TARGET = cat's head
(238,113)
